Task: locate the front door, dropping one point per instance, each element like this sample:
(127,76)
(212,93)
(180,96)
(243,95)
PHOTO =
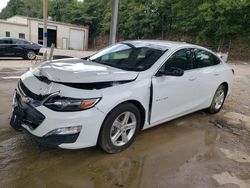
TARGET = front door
(175,95)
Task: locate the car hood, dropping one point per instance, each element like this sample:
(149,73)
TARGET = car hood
(74,70)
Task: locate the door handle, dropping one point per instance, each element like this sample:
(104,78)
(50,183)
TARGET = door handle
(216,74)
(192,78)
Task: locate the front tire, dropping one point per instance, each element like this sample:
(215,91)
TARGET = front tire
(30,55)
(218,100)
(120,128)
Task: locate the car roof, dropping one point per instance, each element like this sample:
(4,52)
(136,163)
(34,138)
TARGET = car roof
(164,43)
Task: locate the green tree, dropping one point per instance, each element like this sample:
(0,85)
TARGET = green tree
(204,20)
(31,8)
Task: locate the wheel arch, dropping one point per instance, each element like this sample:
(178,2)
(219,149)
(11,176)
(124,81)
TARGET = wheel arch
(141,109)
(225,84)
(138,105)
(134,102)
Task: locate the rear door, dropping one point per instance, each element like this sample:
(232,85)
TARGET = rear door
(208,74)
(175,95)
(5,47)
(18,47)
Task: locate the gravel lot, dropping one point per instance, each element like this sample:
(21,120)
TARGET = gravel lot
(195,151)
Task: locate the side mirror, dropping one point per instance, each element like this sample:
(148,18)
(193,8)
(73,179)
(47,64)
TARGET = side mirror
(86,58)
(170,71)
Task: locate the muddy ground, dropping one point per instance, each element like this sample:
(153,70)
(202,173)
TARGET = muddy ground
(195,151)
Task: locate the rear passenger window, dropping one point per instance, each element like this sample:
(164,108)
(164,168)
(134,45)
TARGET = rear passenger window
(5,41)
(205,59)
(181,59)
(17,41)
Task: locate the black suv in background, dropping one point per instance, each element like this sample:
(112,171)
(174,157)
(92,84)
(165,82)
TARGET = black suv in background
(14,47)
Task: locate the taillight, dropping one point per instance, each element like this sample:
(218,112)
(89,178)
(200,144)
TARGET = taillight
(233,71)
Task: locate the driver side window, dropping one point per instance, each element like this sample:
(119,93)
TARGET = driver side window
(181,59)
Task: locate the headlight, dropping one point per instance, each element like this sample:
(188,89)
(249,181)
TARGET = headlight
(66,104)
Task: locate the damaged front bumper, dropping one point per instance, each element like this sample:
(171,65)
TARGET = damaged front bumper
(30,115)
(26,117)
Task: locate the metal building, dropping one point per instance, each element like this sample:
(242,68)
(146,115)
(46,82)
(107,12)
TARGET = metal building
(63,35)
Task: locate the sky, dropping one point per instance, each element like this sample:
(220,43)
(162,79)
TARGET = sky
(3,3)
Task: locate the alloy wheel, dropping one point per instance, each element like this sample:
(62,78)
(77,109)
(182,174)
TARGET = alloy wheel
(219,99)
(123,129)
(31,55)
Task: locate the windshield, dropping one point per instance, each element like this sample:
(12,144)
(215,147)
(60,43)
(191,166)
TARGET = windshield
(128,57)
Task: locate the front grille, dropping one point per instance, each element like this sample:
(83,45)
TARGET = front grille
(28,114)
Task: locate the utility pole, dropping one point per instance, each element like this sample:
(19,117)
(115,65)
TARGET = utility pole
(113,27)
(45,33)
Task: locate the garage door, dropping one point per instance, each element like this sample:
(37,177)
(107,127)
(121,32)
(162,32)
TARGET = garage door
(76,39)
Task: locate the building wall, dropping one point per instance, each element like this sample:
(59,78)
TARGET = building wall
(14,29)
(63,31)
(18,19)
(29,26)
(33,29)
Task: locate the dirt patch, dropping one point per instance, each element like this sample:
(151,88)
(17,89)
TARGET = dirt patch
(235,155)
(237,118)
(226,178)
(232,128)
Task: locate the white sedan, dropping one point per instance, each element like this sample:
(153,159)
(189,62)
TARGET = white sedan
(108,98)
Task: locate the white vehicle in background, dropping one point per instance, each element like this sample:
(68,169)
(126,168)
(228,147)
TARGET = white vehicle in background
(108,98)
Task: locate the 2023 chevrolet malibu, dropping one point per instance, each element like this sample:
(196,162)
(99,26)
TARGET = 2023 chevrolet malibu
(108,98)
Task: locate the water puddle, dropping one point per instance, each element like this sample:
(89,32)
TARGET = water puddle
(11,73)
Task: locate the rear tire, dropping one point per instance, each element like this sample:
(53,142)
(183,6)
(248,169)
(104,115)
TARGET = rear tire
(30,55)
(218,100)
(120,128)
